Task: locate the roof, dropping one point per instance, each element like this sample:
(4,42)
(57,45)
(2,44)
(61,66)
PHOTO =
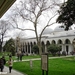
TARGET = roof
(5,5)
(61,34)
(47,31)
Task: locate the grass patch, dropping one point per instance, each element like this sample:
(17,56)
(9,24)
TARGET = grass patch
(60,66)
(23,58)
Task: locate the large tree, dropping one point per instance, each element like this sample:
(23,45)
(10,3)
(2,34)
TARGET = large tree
(4,27)
(67,14)
(39,13)
(10,46)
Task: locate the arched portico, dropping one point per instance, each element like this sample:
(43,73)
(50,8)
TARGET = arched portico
(66,42)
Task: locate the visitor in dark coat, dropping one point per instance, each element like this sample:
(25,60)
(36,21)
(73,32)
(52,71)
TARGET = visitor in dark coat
(2,63)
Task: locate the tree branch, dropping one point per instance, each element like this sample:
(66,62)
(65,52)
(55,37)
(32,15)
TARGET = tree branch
(47,25)
(25,29)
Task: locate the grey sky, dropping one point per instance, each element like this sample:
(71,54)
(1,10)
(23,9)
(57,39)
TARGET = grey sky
(27,33)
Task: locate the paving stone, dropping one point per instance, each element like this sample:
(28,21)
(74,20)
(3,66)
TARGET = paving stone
(13,72)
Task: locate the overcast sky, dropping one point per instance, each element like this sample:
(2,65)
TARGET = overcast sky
(17,32)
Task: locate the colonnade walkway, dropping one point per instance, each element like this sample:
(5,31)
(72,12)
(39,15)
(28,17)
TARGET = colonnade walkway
(14,72)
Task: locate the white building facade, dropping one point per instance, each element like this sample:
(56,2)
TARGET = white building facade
(65,39)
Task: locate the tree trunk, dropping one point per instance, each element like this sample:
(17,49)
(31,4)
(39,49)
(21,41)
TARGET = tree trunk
(40,48)
(0,46)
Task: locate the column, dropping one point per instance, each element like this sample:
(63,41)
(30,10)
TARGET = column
(30,49)
(45,49)
(27,49)
(63,47)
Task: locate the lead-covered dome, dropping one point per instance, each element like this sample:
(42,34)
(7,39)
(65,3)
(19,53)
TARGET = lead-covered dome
(47,31)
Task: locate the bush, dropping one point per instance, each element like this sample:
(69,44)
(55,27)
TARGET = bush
(54,49)
(35,49)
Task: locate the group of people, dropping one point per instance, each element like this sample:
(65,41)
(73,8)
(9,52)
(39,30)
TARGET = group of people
(3,62)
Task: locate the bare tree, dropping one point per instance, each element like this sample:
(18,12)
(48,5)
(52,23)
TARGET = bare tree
(39,13)
(4,26)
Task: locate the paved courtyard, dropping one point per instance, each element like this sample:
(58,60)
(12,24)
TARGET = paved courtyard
(13,72)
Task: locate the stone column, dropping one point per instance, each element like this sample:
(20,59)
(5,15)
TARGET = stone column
(63,47)
(27,49)
(30,49)
(45,48)
(24,48)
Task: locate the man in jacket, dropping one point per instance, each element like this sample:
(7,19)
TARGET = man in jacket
(2,63)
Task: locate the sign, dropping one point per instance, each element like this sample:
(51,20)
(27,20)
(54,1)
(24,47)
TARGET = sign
(44,62)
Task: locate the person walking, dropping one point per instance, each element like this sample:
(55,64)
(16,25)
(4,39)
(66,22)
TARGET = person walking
(2,63)
(10,63)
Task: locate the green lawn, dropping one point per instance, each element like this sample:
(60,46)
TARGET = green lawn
(24,57)
(61,66)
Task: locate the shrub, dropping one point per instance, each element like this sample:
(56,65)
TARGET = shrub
(54,49)
(35,49)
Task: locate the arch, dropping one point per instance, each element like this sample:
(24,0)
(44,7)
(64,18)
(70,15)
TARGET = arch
(47,43)
(53,42)
(67,41)
(34,43)
(73,41)
(59,41)
(42,42)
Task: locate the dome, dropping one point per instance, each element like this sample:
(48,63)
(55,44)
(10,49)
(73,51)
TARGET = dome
(59,28)
(47,31)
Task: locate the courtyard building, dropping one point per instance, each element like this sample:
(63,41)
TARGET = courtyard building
(65,39)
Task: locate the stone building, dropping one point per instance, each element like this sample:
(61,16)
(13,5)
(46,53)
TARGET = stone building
(65,39)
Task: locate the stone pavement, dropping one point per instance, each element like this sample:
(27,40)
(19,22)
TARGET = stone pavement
(13,72)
